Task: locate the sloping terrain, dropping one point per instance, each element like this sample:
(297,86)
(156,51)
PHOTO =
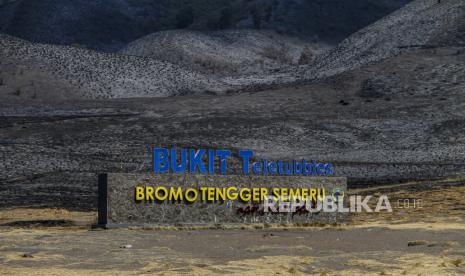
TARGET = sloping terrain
(397,120)
(48,72)
(393,109)
(232,52)
(218,62)
(422,23)
(110,24)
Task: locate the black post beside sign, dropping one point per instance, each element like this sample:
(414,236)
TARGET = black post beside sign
(102,199)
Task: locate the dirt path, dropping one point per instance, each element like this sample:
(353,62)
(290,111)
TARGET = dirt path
(410,241)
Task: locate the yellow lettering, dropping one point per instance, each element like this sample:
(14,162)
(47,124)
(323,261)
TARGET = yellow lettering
(139,193)
(220,194)
(161,197)
(149,193)
(294,194)
(313,194)
(175,194)
(191,194)
(232,193)
(321,196)
(245,194)
(263,193)
(211,194)
(203,197)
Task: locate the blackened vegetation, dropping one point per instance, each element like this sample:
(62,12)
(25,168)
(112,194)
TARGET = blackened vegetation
(385,105)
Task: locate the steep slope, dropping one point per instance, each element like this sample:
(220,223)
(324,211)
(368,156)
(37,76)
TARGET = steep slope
(84,73)
(110,24)
(229,52)
(67,72)
(422,23)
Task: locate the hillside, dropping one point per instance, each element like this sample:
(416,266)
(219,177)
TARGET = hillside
(386,105)
(110,24)
(188,62)
(398,120)
(422,23)
(48,72)
(419,25)
(232,52)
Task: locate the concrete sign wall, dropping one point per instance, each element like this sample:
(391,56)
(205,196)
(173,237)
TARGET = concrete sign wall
(170,199)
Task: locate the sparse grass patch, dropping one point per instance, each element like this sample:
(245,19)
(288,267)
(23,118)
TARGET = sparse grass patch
(258,226)
(457,262)
(292,270)
(416,243)
(313,224)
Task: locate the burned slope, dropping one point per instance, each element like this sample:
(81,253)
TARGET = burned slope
(84,73)
(420,24)
(48,72)
(231,52)
(401,119)
(392,117)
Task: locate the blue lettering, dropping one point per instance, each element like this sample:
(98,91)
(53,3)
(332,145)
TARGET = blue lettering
(257,168)
(272,167)
(211,161)
(181,168)
(160,160)
(195,161)
(224,155)
(329,169)
(297,167)
(246,155)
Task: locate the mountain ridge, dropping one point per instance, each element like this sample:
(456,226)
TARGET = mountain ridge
(108,25)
